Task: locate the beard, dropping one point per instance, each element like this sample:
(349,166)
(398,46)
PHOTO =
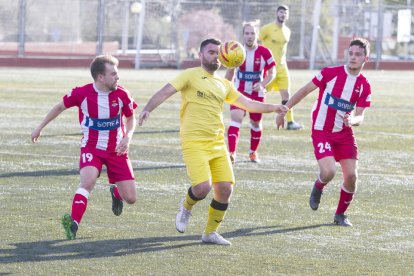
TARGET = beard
(281,20)
(250,44)
(212,66)
(113,86)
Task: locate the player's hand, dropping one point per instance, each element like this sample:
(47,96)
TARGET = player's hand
(283,110)
(35,135)
(123,146)
(143,116)
(258,87)
(280,121)
(348,119)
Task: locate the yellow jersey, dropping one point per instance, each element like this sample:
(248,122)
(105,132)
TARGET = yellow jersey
(275,38)
(202,104)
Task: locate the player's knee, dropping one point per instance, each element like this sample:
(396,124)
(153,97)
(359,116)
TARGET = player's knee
(327,174)
(351,179)
(224,192)
(130,196)
(201,190)
(130,199)
(87,185)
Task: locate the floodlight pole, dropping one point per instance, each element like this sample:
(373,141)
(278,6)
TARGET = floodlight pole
(22,28)
(100,27)
(314,44)
(335,31)
(140,29)
(302,30)
(378,43)
(125,26)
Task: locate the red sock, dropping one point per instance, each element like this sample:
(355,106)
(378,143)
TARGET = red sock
(232,138)
(255,137)
(319,184)
(116,193)
(80,201)
(345,199)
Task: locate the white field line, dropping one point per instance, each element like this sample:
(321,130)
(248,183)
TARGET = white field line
(400,135)
(139,164)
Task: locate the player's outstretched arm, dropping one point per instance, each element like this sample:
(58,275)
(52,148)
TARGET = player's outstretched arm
(258,107)
(53,113)
(158,98)
(295,99)
(301,94)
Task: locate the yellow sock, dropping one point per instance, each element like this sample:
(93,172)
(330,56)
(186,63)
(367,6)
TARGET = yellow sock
(190,200)
(215,217)
(289,116)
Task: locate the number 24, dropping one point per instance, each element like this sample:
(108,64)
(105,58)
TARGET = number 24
(324,147)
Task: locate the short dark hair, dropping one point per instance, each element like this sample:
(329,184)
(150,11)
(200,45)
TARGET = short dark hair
(361,42)
(282,7)
(209,41)
(98,64)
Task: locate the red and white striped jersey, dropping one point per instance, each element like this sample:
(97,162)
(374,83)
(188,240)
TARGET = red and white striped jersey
(252,70)
(339,92)
(101,115)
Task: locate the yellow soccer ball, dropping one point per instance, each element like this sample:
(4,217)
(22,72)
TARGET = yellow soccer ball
(231,54)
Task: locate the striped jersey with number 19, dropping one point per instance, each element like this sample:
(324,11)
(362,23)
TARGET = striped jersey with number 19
(101,115)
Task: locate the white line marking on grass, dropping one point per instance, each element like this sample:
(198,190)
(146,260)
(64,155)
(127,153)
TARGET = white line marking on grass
(401,135)
(172,165)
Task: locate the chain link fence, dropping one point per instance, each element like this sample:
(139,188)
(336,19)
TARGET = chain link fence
(173,29)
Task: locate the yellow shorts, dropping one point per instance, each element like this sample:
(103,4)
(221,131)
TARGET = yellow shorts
(281,81)
(207,160)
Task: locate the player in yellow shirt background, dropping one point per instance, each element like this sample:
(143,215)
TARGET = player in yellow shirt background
(203,94)
(275,36)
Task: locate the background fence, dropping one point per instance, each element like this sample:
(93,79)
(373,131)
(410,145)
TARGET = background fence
(172,30)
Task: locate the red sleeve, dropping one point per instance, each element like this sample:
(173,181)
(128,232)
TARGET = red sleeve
(72,98)
(365,99)
(129,104)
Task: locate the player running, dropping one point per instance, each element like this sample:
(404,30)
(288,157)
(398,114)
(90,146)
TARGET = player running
(250,81)
(344,94)
(103,105)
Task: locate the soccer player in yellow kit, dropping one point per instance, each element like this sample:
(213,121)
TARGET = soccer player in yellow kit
(275,36)
(204,150)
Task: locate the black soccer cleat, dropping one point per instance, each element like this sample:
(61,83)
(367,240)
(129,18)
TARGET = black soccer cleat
(117,205)
(315,198)
(342,220)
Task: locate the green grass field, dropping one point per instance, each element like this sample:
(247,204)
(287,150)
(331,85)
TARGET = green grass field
(269,222)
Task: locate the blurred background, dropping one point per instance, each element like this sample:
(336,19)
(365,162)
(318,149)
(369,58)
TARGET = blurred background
(167,33)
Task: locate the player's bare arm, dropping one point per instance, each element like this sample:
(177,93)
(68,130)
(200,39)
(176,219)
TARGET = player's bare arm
(356,118)
(158,98)
(230,74)
(123,146)
(271,74)
(53,113)
(295,99)
(258,107)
